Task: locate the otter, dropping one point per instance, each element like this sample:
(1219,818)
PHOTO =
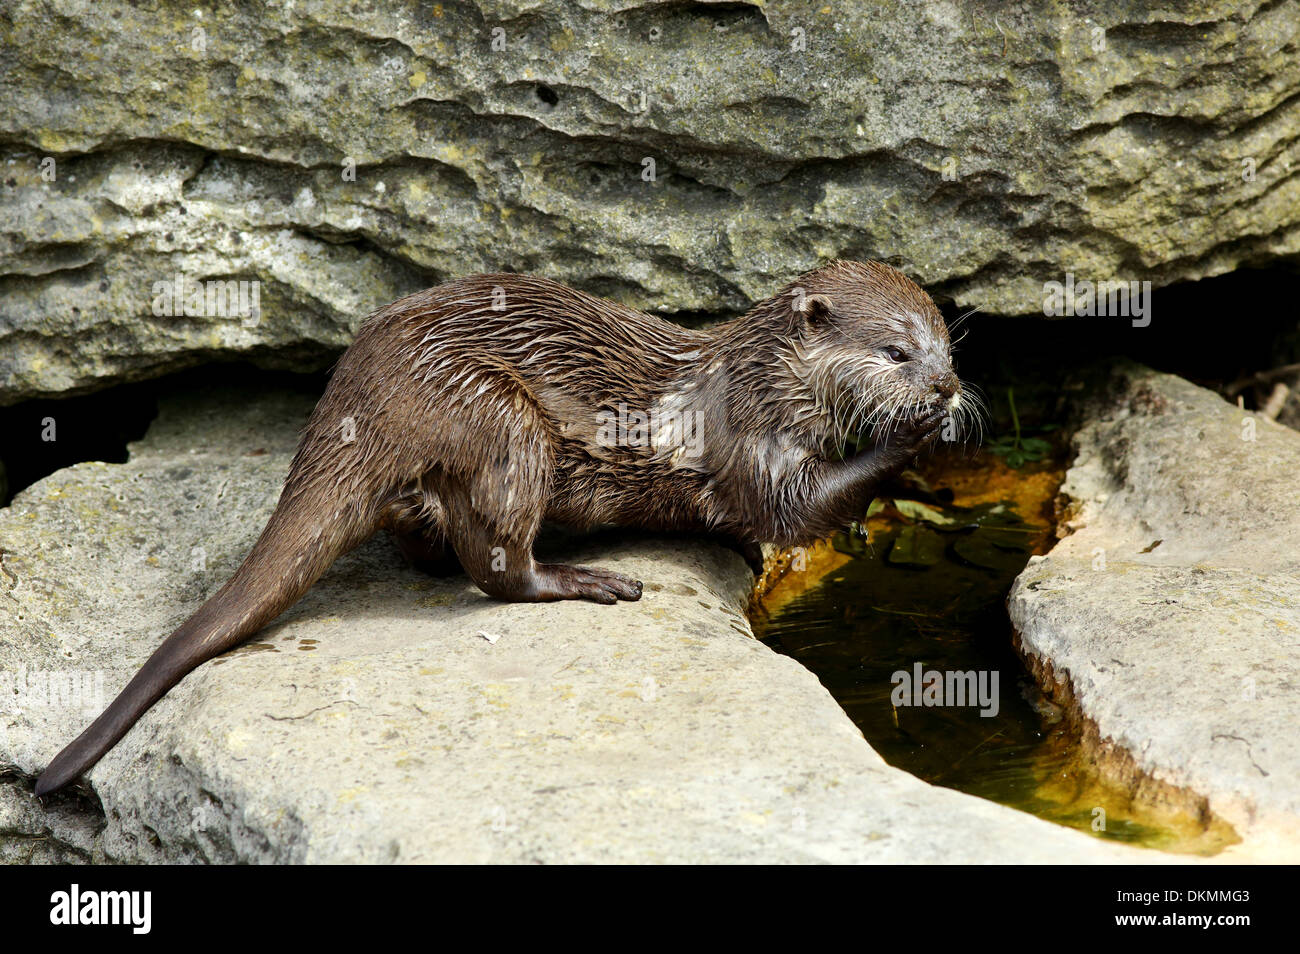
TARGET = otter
(465,415)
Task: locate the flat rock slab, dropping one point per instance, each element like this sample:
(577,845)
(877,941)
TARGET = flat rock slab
(393,717)
(1173,609)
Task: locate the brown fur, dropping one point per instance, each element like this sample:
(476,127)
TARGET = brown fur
(464,416)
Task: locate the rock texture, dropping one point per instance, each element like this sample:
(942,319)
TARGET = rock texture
(341,154)
(376,721)
(1173,609)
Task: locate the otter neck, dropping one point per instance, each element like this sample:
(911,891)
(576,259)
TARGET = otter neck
(745,372)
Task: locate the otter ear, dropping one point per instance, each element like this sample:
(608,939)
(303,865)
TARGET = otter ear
(816,309)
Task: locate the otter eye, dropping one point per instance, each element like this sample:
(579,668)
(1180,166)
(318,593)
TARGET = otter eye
(895,355)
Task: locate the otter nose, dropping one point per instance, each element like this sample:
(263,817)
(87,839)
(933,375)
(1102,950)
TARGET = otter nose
(946,384)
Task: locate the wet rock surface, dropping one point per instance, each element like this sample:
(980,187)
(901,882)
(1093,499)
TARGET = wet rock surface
(1171,613)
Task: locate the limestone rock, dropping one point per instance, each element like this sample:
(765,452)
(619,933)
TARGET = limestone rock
(1173,609)
(377,721)
(342,155)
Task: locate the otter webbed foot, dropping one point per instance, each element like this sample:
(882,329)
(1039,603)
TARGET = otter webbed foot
(560,582)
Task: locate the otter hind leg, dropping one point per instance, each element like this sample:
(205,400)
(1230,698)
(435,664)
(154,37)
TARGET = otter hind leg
(498,555)
(493,496)
(416,522)
(429,551)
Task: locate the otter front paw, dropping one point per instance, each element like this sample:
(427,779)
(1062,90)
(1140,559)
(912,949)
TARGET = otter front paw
(913,436)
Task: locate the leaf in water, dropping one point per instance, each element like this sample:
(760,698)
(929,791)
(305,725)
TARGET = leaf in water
(1012,540)
(979,549)
(919,511)
(916,546)
(977,552)
(1000,516)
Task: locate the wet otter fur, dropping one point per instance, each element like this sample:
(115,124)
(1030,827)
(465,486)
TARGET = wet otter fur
(465,415)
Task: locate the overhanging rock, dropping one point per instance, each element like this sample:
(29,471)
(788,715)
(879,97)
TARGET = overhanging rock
(342,155)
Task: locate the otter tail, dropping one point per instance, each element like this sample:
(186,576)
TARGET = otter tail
(303,537)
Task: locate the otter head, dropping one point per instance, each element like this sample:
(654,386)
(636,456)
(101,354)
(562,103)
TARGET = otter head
(870,347)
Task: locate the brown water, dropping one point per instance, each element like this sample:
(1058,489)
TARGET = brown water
(930,588)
